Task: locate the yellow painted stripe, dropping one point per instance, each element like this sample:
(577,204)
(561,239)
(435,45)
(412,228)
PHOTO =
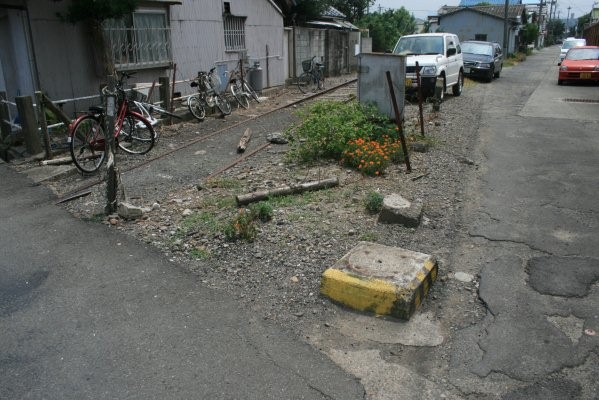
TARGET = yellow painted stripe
(361,294)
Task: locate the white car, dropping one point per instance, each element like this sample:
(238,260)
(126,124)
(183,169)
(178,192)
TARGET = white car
(567,45)
(439,56)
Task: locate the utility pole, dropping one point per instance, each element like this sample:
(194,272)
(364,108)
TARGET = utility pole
(568,22)
(505,32)
(538,43)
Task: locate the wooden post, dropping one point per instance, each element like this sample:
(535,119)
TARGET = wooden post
(41,117)
(29,124)
(164,92)
(4,116)
(112,173)
(404,147)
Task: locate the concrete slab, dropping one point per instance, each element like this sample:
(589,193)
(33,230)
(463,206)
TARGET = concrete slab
(380,279)
(49,172)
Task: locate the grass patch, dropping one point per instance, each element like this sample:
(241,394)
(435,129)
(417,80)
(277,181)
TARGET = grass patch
(199,221)
(374,202)
(369,237)
(223,183)
(199,253)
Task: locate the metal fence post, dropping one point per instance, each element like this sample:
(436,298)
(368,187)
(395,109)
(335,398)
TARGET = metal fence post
(33,143)
(4,116)
(165,92)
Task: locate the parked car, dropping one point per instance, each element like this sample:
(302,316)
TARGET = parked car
(439,56)
(482,59)
(581,64)
(567,45)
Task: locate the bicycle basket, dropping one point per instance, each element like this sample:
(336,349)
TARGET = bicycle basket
(134,95)
(307,65)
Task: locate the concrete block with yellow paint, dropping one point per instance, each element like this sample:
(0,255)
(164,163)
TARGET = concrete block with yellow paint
(380,279)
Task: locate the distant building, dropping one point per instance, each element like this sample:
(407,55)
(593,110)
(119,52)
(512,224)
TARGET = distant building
(470,3)
(483,23)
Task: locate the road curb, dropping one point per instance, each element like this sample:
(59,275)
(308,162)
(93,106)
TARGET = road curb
(380,279)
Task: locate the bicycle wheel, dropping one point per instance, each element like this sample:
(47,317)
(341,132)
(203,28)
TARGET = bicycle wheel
(196,108)
(87,142)
(239,95)
(321,81)
(306,83)
(251,91)
(136,135)
(223,104)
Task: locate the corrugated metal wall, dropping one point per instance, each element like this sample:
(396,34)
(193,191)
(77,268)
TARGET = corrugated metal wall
(198,38)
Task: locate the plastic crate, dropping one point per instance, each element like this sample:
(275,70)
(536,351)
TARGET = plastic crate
(307,65)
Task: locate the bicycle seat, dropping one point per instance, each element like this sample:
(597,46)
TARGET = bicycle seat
(96,110)
(193,84)
(212,69)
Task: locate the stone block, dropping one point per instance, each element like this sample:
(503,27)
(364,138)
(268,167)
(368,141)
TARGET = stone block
(398,210)
(129,211)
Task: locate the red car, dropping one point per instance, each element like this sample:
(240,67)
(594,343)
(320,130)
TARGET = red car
(580,64)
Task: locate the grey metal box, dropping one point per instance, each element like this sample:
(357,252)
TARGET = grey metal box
(372,81)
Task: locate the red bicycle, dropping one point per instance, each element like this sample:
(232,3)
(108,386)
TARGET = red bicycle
(133,133)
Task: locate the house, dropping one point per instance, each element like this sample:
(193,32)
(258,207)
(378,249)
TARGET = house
(331,38)
(483,23)
(39,51)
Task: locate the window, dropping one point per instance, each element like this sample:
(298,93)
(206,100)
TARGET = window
(234,32)
(481,37)
(139,40)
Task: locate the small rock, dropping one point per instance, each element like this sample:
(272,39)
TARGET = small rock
(155,206)
(463,277)
(187,212)
(299,314)
(294,279)
(276,138)
(113,221)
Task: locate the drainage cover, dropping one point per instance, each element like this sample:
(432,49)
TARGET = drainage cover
(581,101)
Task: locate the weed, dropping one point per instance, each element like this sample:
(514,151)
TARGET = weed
(99,217)
(262,211)
(373,202)
(241,227)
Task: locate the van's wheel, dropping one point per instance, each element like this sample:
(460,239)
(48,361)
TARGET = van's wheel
(459,86)
(440,89)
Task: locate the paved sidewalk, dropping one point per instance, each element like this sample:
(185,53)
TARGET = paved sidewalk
(88,313)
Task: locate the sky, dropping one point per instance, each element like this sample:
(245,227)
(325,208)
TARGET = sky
(423,8)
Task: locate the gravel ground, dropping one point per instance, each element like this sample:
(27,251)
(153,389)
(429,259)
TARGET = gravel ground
(278,274)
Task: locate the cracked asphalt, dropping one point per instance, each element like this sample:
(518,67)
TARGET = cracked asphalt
(532,223)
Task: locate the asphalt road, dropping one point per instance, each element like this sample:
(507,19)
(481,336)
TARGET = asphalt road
(532,220)
(87,313)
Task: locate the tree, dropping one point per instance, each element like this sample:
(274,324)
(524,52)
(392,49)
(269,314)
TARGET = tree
(93,13)
(555,30)
(386,28)
(305,10)
(529,34)
(354,10)
(582,21)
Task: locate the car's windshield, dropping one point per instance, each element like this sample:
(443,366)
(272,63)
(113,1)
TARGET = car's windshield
(583,54)
(573,43)
(477,48)
(420,45)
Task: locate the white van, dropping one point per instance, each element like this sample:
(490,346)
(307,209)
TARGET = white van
(439,56)
(567,45)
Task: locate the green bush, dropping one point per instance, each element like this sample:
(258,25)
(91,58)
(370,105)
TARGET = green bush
(326,127)
(374,202)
